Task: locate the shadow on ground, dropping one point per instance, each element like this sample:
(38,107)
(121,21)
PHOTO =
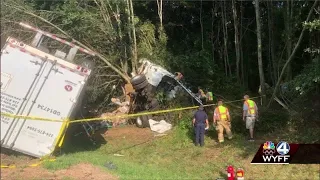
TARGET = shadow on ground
(11,153)
(77,140)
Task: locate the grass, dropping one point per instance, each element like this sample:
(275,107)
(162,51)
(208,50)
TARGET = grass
(175,157)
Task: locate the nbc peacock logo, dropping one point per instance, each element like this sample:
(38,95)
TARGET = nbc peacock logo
(268,148)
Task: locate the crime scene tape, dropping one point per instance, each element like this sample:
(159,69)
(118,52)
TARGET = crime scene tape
(113,117)
(31,165)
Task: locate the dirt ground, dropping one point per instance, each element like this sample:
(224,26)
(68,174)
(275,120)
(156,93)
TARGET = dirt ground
(136,135)
(79,171)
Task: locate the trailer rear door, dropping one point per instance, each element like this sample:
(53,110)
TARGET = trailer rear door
(54,95)
(19,74)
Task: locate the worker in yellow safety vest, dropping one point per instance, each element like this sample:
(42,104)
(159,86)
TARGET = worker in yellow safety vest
(250,114)
(209,97)
(222,120)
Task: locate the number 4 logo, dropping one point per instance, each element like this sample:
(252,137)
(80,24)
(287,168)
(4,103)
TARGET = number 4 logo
(283,148)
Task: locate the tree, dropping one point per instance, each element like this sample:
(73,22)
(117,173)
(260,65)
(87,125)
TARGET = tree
(292,54)
(236,39)
(159,4)
(201,25)
(225,40)
(260,63)
(134,61)
(271,50)
(289,33)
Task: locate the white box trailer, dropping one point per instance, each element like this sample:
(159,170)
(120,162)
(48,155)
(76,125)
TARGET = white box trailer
(35,83)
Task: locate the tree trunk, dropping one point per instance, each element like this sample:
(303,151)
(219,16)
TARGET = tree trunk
(236,40)
(212,31)
(292,54)
(260,64)
(226,25)
(274,68)
(244,80)
(288,23)
(270,60)
(129,51)
(159,4)
(134,38)
(124,63)
(225,40)
(201,25)
(214,10)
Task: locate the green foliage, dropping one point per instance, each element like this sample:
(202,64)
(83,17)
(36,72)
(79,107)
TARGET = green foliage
(313,25)
(308,80)
(147,40)
(185,122)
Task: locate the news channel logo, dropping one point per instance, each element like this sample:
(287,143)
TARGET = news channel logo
(282,148)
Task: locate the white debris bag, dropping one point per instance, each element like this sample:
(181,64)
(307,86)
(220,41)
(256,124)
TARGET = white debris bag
(159,127)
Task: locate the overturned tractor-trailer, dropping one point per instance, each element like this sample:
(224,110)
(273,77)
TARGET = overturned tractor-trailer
(39,81)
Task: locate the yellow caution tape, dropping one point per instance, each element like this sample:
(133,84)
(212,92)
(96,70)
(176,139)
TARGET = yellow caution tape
(115,116)
(31,165)
(22,117)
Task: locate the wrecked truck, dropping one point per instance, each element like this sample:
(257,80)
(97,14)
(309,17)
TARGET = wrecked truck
(150,81)
(40,82)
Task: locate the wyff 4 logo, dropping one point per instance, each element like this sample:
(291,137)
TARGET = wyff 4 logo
(269,149)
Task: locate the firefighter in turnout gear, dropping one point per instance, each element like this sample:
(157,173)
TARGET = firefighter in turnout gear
(222,120)
(250,114)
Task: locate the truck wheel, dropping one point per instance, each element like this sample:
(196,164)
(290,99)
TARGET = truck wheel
(141,85)
(138,79)
(142,121)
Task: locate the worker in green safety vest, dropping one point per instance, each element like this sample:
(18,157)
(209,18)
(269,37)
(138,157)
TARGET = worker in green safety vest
(209,96)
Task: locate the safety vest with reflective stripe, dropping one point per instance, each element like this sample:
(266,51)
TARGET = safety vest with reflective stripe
(251,107)
(210,96)
(222,112)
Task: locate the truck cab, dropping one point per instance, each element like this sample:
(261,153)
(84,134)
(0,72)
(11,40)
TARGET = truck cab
(151,82)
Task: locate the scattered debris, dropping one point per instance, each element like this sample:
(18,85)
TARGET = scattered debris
(123,109)
(110,165)
(159,127)
(119,155)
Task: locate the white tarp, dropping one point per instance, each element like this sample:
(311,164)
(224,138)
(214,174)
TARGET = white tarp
(159,127)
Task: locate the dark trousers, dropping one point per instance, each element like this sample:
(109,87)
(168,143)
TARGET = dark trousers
(200,130)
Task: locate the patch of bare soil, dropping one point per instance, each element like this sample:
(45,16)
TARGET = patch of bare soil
(79,171)
(130,133)
(9,158)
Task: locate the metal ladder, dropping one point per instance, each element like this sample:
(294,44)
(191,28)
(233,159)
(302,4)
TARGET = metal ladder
(190,92)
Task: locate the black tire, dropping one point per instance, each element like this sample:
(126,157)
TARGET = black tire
(143,121)
(138,79)
(141,85)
